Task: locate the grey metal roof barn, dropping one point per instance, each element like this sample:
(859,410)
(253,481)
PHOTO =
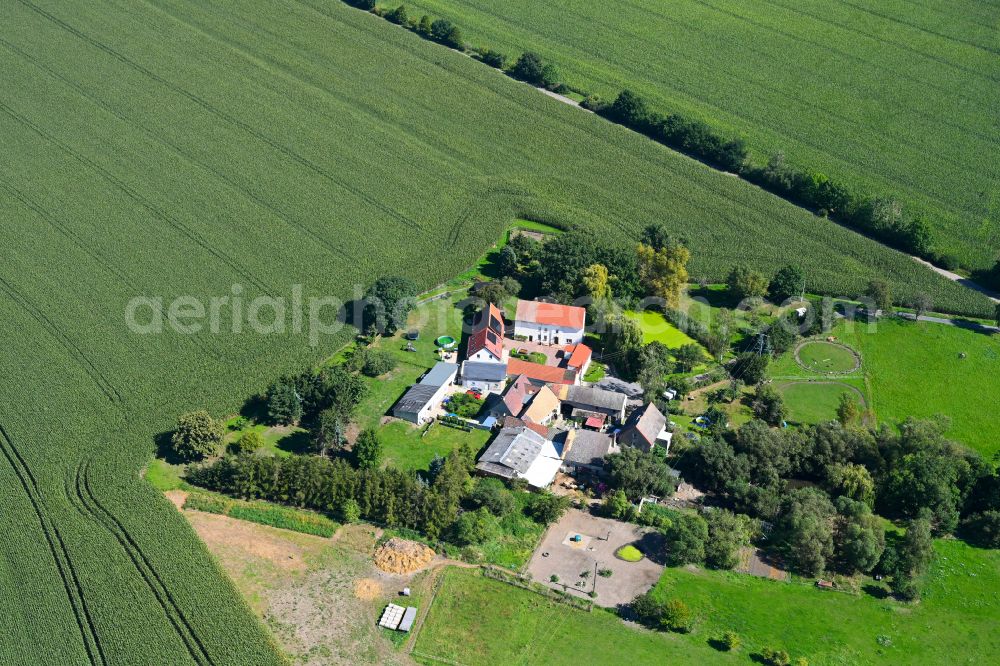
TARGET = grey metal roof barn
(591,397)
(512,452)
(415,403)
(484,372)
(415,398)
(586,447)
(440,374)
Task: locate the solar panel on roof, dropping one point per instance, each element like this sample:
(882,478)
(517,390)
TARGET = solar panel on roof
(491,336)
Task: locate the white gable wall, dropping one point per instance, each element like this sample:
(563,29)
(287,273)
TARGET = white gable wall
(548,335)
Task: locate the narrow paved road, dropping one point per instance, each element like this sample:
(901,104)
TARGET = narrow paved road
(955,277)
(960,323)
(965,282)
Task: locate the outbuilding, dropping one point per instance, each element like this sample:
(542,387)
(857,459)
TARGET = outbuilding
(586,401)
(585,451)
(419,401)
(646,427)
(520,452)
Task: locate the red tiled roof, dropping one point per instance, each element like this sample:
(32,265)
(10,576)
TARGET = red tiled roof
(594,421)
(579,356)
(539,372)
(488,333)
(551,314)
(515,397)
(512,422)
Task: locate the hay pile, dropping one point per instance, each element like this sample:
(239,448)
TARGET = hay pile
(400,556)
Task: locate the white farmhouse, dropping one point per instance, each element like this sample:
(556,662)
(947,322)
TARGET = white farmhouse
(550,323)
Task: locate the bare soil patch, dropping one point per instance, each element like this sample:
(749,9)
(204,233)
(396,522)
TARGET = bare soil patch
(177,498)
(251,540)
(367,589)
(321,598)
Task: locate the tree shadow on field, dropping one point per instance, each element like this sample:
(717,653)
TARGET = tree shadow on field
(164,450)
(654,546)
(717,644)
(297,442)
(255,409)
(876,591)
(715,297)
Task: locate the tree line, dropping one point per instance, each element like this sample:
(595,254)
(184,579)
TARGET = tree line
(910,474)
(882,217)
(445,503)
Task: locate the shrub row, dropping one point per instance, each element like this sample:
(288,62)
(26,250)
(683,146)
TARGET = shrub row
(525,583)
(880,217)
(263,513)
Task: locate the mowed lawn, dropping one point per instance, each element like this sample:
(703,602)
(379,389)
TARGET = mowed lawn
(655,328)
(475,620)
(919,370)
(814,402)
(953,624)
(910,369)
(406,447)
(895,97)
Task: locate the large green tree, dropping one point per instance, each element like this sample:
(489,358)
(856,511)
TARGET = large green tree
(531,68)
(476,527)
(880,293)
(744,282)
(859,537)
(804,530)
(787,284)
(330,433)
(388,304)
(640,474)
(750,367)
(284,405)
(196,436)
(726,535)
(686,539)
(368,450)
(911,559)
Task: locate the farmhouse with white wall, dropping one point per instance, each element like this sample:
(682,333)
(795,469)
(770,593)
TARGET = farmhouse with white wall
(549,323)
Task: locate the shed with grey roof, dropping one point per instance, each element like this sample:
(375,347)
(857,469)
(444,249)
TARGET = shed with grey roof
(521,453)
(420,400)
(585,450)
(409,616)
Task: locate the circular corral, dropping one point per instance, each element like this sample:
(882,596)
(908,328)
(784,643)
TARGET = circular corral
(827,358)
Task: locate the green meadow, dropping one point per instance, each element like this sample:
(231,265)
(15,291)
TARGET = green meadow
(655,328)
(908,369)
(952,624)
